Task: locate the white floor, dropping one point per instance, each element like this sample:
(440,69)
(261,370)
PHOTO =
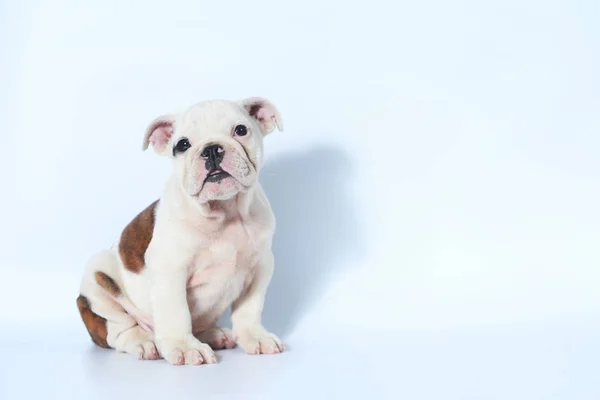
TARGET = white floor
(50,363)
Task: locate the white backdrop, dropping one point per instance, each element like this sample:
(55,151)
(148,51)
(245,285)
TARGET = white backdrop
(436,188)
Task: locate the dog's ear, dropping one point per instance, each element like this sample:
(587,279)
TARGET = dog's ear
(159,133)
(265,112)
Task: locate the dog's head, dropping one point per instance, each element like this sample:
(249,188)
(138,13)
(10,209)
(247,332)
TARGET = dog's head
(216,145)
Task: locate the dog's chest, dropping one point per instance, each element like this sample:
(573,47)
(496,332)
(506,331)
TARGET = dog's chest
(224,267)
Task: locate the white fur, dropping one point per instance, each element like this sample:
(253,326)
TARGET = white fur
(210,249)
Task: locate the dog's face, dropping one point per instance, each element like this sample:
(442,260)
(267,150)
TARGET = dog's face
(216,146)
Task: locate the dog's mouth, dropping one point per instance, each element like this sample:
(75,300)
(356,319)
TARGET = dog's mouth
(216,175)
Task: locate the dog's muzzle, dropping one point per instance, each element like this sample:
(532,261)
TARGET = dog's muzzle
(214,154)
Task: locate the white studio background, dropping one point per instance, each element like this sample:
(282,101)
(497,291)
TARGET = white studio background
(436,185)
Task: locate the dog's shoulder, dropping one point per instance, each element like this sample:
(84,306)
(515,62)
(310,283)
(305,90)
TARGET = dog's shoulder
(136,237)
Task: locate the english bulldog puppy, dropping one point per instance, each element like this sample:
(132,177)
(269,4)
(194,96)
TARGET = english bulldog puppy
(203,247)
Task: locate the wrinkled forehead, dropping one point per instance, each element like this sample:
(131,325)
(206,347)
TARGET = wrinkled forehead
(211,118)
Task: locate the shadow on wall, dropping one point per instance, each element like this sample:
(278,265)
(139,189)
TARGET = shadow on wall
(317,230)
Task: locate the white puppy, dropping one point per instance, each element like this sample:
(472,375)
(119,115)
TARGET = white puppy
(203,247)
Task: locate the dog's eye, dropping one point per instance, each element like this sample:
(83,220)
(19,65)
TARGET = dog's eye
(181,146)
(240,130)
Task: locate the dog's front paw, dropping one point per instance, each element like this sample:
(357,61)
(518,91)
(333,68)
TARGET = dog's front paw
(188,350)
(259,341)
(217,338)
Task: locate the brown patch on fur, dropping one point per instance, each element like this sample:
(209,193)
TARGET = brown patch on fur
(135,239)
(95,324)
(107,283)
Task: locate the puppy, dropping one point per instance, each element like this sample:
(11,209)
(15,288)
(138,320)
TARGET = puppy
(203,247)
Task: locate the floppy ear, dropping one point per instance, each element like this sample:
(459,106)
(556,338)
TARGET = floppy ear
(265,112)
(159,133)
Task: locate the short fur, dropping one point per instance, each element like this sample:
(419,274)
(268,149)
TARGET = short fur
(135,239)
(95,324)
(204,247)
(107,283)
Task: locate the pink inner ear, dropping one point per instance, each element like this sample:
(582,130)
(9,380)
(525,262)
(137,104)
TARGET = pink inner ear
(265,114)
(161,135)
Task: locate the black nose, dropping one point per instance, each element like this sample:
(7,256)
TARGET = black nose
(213,154)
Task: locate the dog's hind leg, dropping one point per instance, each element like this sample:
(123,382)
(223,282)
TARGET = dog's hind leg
(111,320)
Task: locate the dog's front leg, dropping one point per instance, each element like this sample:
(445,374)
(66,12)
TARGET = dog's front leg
(246,313)
(171,315)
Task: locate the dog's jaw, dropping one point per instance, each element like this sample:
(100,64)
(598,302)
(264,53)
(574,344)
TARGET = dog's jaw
(196,208)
